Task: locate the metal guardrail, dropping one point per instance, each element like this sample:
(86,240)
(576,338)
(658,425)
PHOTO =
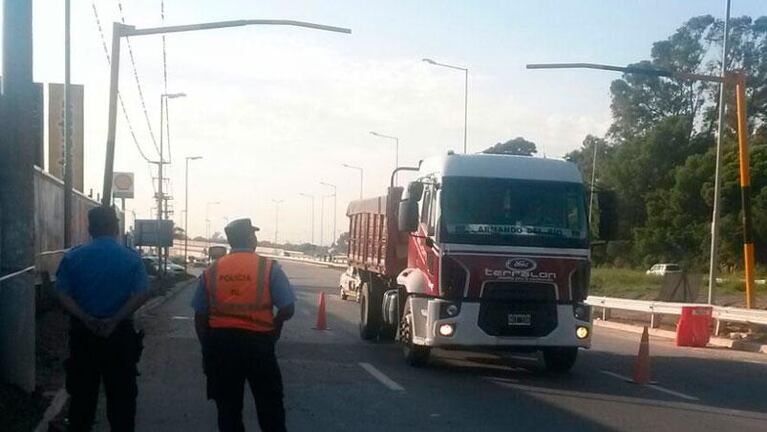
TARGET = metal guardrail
(656,308)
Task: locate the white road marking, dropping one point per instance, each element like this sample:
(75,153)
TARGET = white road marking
(377,374)
(664,404)
(653,386)
(179,317)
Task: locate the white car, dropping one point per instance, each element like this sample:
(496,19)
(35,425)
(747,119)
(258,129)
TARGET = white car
(663,269)
(174,269)
(350,283)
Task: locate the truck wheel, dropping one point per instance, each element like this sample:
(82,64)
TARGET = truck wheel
(559,360)
(415,355)
(370,314)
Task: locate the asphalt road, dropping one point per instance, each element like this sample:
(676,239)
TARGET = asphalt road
(334,381)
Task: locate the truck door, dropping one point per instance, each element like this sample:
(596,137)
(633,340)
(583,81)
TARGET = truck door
(429,258)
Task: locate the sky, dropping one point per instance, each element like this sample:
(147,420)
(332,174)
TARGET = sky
(274,111)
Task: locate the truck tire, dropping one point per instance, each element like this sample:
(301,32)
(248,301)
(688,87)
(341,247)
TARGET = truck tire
(415,355)
(370,313)
(559,360)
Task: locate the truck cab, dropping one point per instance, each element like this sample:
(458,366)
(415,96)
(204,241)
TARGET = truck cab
(498,258)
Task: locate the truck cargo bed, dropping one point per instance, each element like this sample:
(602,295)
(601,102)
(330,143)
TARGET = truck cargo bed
(375,244)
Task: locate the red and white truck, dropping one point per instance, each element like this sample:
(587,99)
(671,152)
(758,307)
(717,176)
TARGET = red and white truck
(481,252)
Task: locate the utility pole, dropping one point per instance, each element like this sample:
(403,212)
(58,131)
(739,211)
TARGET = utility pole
(67,131)
(17,294)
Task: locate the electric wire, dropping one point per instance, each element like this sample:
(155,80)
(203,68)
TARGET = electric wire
(138,80)
(119,95)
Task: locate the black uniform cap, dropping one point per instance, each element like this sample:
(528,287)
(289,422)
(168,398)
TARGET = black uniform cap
(239,229)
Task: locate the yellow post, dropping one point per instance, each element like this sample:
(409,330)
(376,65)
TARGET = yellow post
(745,186)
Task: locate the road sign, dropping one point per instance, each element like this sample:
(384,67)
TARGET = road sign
(122,185)
(153,232)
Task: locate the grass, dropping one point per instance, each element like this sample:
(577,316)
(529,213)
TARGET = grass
(624,283)
(635,284)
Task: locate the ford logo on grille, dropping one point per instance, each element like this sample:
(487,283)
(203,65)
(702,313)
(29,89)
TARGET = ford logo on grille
(521,264)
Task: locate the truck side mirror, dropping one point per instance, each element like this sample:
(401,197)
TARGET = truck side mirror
(608,215)
(415,191)
(407,217)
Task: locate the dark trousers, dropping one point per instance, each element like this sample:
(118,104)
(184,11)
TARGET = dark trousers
(113,360)
(233,357)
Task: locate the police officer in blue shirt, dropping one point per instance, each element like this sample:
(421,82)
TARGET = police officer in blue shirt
(100,285)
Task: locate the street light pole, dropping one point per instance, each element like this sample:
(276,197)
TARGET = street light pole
(361,174)
(276,218)
(305,195)
(713,268)
(335,208)
(396,149)
(120,30)
(186,209)
(465,95)
(593,178)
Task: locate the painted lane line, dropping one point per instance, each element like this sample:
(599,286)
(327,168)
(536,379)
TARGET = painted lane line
(179,317)
(377,374)
(640,402)
(673,393)
(653,386)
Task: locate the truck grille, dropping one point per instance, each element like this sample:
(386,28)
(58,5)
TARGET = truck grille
(518,309)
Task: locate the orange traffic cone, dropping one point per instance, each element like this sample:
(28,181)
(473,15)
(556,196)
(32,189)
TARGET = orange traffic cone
(322,323)
(642,366)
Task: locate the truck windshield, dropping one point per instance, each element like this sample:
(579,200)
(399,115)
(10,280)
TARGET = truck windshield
(513,212)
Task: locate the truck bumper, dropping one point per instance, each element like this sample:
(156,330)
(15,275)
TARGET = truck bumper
(467,332)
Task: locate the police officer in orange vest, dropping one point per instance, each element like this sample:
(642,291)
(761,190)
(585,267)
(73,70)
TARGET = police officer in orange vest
(237,329)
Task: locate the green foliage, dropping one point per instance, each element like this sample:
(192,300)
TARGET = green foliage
(659,153)
(517,146)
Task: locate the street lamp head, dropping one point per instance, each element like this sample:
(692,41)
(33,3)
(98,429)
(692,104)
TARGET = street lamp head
(194,157)
(328,184)
(174,95)
(430,61)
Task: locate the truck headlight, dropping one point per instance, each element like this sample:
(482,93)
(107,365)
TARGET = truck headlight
(582,332)
(447,330)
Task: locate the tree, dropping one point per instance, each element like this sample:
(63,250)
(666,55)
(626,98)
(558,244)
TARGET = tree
(640,102)
(217,237)
(179,233)
(517,146)
(342,244)
(584,156)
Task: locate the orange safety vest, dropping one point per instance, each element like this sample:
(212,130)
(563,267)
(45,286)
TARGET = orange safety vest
(239,292)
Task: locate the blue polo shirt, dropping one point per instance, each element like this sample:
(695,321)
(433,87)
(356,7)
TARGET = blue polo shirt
(279,287)
(101,276)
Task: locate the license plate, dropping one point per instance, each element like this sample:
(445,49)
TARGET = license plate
(519,319)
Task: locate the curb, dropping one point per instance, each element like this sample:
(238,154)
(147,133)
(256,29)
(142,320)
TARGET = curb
(737,345)
(61,397)
(159,300)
